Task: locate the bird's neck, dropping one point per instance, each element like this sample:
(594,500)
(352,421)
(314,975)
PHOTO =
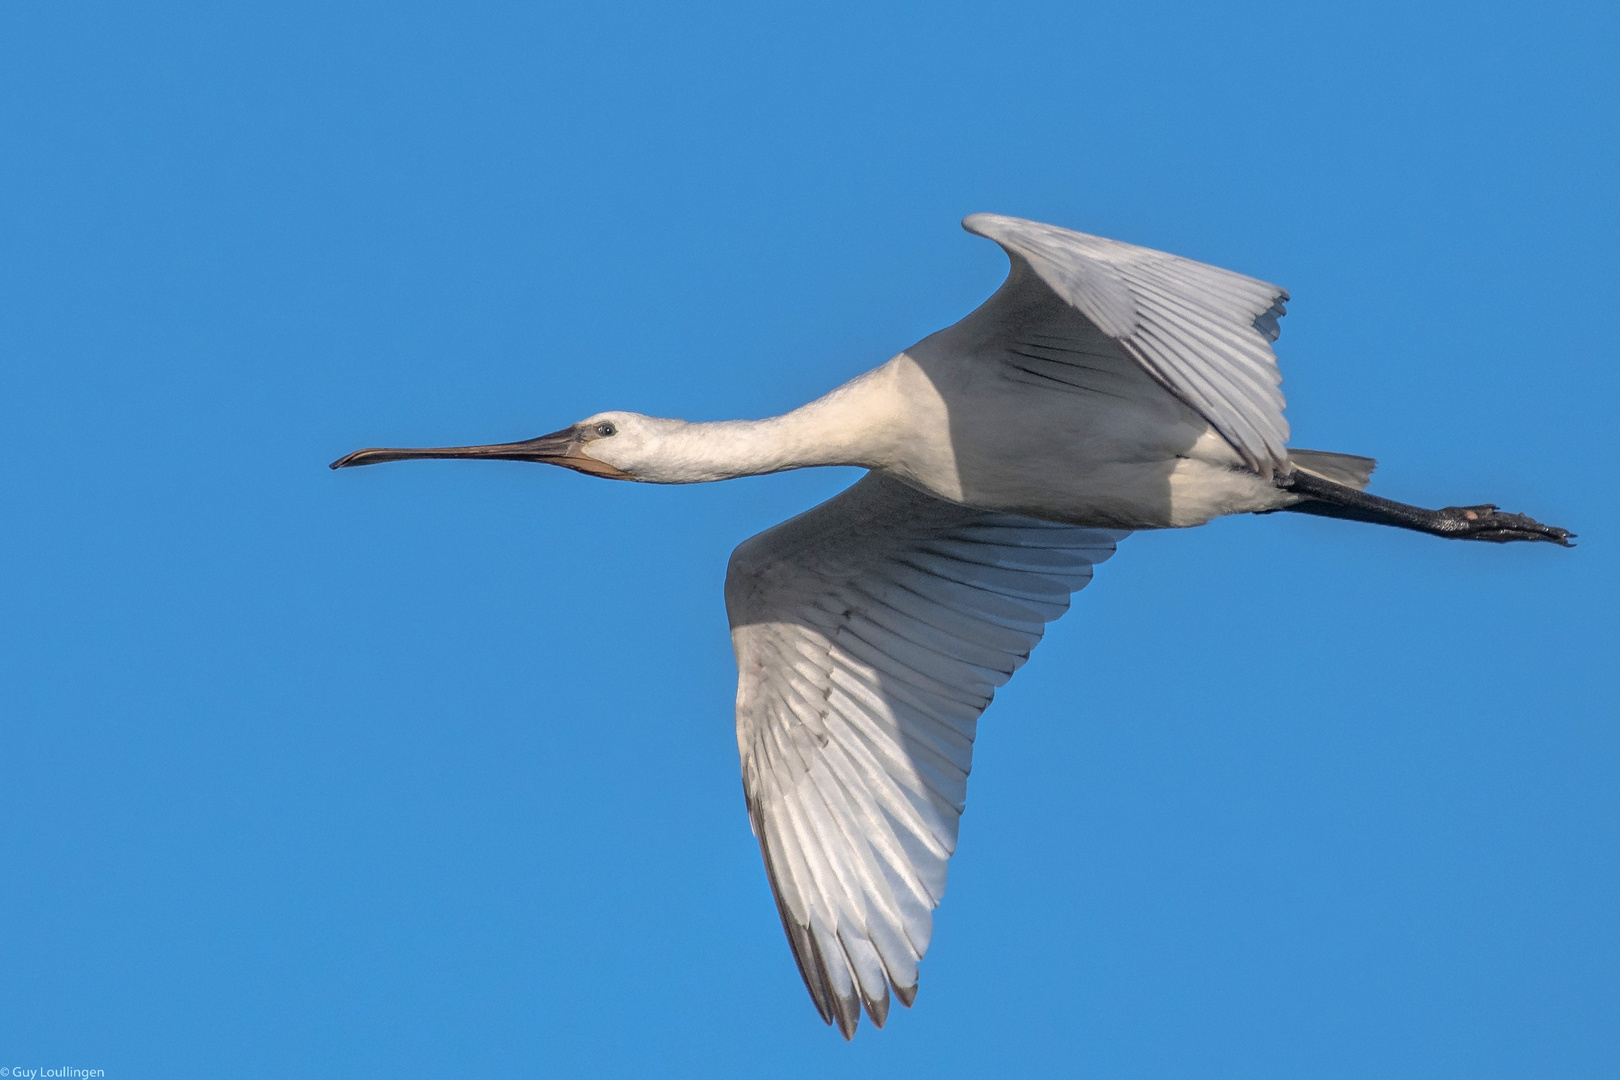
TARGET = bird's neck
(844,428)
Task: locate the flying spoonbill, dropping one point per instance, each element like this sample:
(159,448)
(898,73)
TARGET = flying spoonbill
(1103,388)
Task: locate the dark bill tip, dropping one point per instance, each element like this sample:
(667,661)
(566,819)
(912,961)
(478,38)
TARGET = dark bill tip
(370,456)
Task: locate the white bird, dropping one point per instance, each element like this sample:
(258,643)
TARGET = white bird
(1103,388)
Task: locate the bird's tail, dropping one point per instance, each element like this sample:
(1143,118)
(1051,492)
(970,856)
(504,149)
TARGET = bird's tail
(1347,469)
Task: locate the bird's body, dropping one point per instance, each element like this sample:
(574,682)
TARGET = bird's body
(1104,388)
(960,421)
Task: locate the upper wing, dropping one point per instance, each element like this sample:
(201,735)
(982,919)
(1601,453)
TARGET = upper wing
(871,632)
(1203,332)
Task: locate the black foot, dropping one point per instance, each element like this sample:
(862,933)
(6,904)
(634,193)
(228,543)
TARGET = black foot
(1488,523)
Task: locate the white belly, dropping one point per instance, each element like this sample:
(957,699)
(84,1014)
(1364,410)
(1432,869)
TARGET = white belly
(1120,452)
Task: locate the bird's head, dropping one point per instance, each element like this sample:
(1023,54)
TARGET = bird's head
(614,445)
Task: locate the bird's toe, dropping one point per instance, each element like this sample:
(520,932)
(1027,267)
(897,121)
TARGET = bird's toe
(1486,522)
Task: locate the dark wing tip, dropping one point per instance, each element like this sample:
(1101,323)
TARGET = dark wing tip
(1268,321)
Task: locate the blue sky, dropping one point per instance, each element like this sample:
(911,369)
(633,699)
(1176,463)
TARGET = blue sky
(429,770)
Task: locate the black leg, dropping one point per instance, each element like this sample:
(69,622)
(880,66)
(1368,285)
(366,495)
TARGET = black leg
(1328,499)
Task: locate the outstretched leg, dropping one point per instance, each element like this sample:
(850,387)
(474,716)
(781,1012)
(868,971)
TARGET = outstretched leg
(1486,522)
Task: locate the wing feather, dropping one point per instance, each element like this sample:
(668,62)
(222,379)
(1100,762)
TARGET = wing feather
(1203,332)
(871,632)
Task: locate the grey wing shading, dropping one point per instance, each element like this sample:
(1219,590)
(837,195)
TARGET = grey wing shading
(871,632)
(1204,333)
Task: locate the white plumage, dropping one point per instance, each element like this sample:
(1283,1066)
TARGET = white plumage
(1204,332)
(871,632)
(1103,388)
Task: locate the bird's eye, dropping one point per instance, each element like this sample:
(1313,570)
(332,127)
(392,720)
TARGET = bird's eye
(605,430)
